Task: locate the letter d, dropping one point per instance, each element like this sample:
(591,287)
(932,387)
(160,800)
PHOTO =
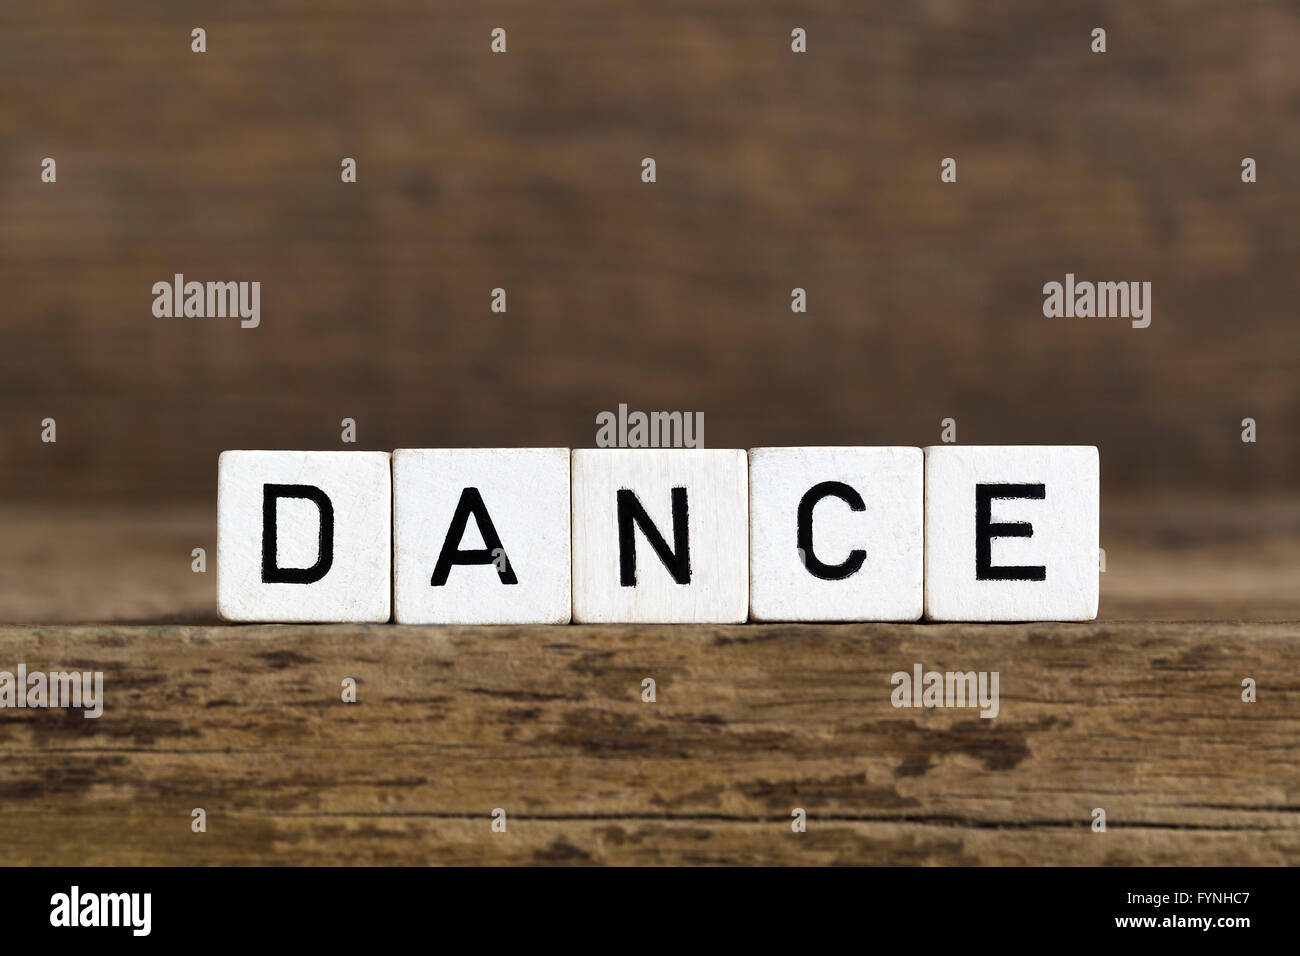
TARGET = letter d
(272,573)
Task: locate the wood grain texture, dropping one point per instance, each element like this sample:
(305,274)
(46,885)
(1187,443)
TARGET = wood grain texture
(522,171)
(1144,720)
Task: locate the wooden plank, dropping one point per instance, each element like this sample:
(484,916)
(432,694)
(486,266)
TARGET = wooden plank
(750,721)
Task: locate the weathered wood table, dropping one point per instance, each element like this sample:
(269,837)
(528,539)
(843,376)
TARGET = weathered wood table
(1141,718)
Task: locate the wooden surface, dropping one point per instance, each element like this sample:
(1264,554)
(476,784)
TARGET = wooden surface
(751,721)
(1140,718)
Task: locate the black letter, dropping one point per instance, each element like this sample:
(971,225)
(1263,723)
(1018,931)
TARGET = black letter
(828,572)
(272,573)
(677,561)
(471,502)
(985,532)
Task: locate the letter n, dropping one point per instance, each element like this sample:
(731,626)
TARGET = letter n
(677,559)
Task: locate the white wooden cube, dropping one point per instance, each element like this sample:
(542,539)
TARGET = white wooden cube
(304,536)
(481,536)
(1011,532)
(836,534)
(660,536)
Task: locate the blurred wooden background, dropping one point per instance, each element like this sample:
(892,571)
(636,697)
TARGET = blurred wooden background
(522,171)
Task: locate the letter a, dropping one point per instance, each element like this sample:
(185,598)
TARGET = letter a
(471,503)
